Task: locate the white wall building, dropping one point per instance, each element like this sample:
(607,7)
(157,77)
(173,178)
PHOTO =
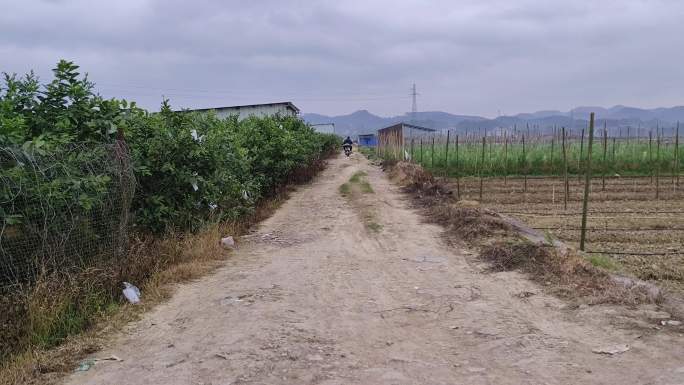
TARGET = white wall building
(324,128)
(258,110)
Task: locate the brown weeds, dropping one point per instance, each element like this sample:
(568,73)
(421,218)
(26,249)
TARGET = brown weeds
(46,328)
(562,272)
(566,275)
(462,221)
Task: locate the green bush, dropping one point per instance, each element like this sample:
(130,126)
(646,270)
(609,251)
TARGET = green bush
(190,167)
(66,193)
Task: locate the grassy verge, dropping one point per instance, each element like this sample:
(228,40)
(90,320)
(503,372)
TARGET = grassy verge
(356,178)
(353,190)
(357,184)
(345,189)
(603,261)
(368,152)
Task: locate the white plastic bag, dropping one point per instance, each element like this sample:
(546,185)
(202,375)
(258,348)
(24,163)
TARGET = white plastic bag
(131,293)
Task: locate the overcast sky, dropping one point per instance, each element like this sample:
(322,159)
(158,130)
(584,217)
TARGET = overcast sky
(335,57)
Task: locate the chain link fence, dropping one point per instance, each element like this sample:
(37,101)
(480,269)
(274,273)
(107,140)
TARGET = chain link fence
(62,210)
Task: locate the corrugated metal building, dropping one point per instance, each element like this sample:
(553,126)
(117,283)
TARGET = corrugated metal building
(392,140)
(258,110)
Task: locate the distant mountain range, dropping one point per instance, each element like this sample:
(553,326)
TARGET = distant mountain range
(617,117)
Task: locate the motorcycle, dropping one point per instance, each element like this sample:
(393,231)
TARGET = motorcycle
(347,149)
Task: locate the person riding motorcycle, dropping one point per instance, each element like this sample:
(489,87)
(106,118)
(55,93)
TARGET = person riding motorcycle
(347,146)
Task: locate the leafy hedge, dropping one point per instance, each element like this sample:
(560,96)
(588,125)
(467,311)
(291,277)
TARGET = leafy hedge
(190,167)
(65,194)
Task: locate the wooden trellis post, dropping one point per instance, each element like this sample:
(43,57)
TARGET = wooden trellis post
(587,183)
(677,156)
(458,173)
(505,159)
(565,173)
(412,157)
(553,145)
(579,161)
(650,153)
(446,155)
(432,153)
(657,167)
(524,165)
(421,151)
(605,151)
(484,146)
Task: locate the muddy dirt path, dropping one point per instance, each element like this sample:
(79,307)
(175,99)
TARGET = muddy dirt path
(316,297)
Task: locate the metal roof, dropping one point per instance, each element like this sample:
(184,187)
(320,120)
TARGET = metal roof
(287,104)
(408,125)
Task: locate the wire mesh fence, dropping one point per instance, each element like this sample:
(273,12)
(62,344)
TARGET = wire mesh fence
(62,210)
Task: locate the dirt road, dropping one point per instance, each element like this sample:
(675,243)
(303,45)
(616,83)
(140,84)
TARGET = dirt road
(317,297)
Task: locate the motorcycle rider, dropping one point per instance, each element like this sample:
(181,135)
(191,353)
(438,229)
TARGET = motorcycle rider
(347,144)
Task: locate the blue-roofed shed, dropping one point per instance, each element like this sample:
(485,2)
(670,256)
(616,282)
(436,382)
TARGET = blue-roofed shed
(368,140)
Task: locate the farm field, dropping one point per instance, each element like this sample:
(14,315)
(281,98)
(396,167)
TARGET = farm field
(544,155)
(628,228)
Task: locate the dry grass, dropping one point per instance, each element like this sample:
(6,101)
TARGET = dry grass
(63,317)
(565,274)
(60,306)
(463,220)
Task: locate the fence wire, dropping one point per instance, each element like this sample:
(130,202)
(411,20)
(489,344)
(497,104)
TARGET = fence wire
(62,210)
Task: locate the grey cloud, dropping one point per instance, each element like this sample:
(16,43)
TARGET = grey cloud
(467,56)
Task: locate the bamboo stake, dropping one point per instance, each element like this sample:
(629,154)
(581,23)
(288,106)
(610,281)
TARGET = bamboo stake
(524,164)
(565,173)
(587,183)
(505,159)
(458,173)
(553,144)
(605,149)
(579,161)
(657,168)
(484,146)
(421,152)
(446,155)
(412,160)
(677,156)
(650,153)
(432,153)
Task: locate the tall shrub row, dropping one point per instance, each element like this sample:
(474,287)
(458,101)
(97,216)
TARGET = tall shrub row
(190,167)
(65,172)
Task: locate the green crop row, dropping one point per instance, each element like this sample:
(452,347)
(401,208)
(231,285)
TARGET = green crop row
(623,157)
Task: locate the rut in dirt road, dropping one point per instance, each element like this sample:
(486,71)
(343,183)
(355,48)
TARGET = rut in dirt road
(315,296)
